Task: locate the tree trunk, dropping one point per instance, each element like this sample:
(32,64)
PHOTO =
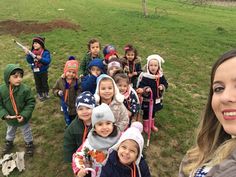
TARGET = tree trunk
(144,4)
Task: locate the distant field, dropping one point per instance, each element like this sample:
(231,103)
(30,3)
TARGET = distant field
(189,38)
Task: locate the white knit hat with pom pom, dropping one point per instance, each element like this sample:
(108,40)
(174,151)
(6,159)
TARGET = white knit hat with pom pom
(133,133)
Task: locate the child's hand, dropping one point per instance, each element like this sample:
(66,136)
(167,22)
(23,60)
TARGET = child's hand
(135,73)
(38,57)
(20,118)
(130,75)
(82,173)
(148,89)
(161,87)
(139,91)
(26,50)
(60,93)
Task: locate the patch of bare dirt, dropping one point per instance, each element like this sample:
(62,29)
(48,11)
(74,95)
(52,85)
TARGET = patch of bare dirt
(16,28)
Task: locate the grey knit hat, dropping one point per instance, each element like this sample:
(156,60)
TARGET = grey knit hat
(102,113)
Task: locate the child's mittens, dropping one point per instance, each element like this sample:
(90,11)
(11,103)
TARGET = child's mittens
(60,93)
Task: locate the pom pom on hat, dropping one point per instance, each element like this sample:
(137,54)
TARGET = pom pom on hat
(137,125)
(85,99)
(102,113)
(40,40)
(71,58)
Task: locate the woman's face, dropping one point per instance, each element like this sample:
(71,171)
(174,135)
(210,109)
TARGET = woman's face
(224,95)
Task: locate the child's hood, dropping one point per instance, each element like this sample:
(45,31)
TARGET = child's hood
(8,70)
(156,57)
(97,62)
(117,95)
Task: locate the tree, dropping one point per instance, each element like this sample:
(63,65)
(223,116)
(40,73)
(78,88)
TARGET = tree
(144,5)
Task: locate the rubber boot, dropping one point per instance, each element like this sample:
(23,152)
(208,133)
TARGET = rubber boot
(8,147)
(153,127)
(145,126)
(29,148)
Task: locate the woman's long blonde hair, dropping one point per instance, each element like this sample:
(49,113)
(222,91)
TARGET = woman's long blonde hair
(211,137)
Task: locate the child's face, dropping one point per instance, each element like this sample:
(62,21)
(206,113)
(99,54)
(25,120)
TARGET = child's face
(130,55)
(112,70)
(127,152)
(153,66)
(70,74)
(16,79)
(123,86)
(95,71)
(104,128)
(36,46)
(106,90)
(95,48)
(84,113)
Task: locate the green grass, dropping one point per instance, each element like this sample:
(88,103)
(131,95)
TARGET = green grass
(189,38)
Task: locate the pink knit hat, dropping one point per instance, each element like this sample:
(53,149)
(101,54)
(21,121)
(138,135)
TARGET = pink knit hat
(71,65)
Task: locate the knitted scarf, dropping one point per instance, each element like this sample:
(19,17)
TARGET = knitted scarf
(67,87)
(102,143)
(39,52)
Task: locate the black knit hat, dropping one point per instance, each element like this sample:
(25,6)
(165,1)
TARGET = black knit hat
(40,40)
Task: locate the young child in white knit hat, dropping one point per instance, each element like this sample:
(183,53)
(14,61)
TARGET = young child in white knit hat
(103,135)
(155,81)
(125,157)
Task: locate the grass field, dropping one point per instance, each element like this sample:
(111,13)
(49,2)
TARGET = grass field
(189,38)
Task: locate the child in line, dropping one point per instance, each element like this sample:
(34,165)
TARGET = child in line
(131,100)
(155,81)
(107,92)
(125,157)
(114,65)
(16,106)
(102,136)
(67,87)
(95,68)
(39,66)
(93,52)
(77,131)
(132,64)
(109,51)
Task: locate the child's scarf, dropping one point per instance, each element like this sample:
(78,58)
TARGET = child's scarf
(39,52)
(67,87)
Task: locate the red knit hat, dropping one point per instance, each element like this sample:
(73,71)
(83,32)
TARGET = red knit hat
(71,65)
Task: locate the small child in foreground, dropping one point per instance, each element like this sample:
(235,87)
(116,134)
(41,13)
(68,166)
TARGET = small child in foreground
(125,158)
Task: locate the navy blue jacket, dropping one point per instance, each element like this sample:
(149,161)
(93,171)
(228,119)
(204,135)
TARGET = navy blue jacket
(115,169)
(147,81)
(89,83)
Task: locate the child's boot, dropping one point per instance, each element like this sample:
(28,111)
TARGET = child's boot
(145,126)
(29,148)
(40,97)
(8,147)
(154,128)
(46,95)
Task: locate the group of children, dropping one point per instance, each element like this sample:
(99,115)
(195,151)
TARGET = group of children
(100,104)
